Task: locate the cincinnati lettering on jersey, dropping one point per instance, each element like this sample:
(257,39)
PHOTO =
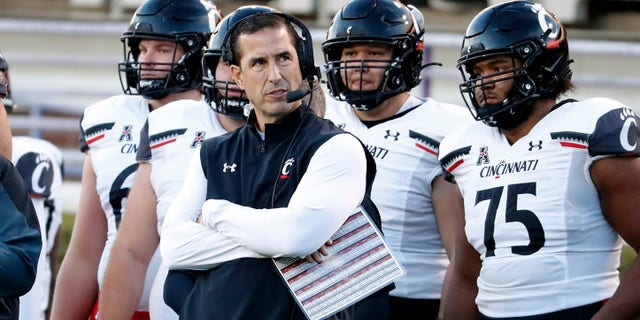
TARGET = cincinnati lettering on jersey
(128,148)
(377,152)
(504,168)
(425,143)
(98,131)
(163,138)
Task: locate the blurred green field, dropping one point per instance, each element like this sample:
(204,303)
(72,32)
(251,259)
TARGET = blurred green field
(67,225)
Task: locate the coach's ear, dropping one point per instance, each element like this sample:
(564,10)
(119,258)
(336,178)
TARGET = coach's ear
(236,75)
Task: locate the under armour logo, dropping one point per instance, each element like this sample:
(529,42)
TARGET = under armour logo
(394,136)
(229,168)
(531,145)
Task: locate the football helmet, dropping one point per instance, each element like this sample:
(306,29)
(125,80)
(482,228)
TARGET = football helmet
(187,23)
(525,31)
(233,99)
(386,22)
(5,85)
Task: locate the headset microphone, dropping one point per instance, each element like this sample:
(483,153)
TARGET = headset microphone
(296,95)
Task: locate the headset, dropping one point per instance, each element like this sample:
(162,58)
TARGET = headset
(304,49)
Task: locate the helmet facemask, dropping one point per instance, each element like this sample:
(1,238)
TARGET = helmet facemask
(397,77)
(517,104)
(375,22)
(181,75)
(226,96)
(186,23)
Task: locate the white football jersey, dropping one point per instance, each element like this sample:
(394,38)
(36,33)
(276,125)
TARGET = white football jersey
(40,165)
(532,211)
(111,132)
(173,137)
(405,149)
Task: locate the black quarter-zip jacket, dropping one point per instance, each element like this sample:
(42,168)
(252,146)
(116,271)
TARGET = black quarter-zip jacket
(267,173)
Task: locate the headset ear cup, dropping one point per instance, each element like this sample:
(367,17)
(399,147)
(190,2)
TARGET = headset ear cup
(304,49)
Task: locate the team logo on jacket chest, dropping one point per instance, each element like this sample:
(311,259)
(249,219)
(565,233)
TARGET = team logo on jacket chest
(286,168)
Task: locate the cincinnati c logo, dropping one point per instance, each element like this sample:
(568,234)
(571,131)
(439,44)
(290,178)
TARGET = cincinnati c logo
(286,168)
(628,116)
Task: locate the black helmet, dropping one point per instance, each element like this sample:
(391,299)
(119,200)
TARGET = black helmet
(185,22)
(5,85)
(230,105)
(385,22)
(526,31)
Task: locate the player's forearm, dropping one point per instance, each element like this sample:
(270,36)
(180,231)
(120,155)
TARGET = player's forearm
(75,293)
(461,300)
(624,303)
(122,286)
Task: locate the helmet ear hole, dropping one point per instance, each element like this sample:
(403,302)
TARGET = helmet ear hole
(182,78)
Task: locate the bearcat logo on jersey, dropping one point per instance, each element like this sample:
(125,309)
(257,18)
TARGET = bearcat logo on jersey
(199,139)
(425,143)
(286,168)
(163,138)
(455,158)
(504,168)
(36,169)
(616,132)
(98,131)
(571,139)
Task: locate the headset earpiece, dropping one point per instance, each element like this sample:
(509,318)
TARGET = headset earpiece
(304,49)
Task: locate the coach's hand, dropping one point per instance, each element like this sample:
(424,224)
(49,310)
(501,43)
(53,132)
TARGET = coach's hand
(317,256)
